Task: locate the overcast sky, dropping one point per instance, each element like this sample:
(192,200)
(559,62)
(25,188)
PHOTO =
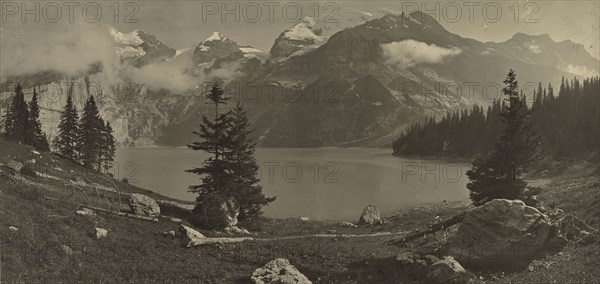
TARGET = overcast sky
(181,24)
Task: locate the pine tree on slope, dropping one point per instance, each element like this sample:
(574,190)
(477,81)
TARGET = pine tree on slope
(66,142)
(39,137)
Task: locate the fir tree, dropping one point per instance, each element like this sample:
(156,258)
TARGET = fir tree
(66,142)
(214,172)
(39,137)
(498,176)
(17,124)
(245,169)
(90,135)
(214,141)
(108,147)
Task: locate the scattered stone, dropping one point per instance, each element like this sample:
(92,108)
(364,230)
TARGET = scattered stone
(143,205)
(169,234)
(347,224)
(14,165)
(100,233)
(304,218)
(278,271)
(13,228)
(572,228)
(85,212)
(447,270)
(370,216)
(499,233)
(32,161)
(187,234)
(35,152)
(66,249)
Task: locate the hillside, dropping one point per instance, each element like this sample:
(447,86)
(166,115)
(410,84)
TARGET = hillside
(52,243)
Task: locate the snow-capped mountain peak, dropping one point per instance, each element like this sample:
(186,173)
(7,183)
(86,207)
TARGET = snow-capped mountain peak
(311,33)
(140,47)
(215,36)
(130,39)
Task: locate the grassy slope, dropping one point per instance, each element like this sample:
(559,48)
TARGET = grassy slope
(137,251)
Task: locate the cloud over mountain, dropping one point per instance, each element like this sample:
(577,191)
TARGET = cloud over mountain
(408,53)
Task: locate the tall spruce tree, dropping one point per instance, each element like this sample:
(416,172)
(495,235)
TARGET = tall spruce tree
(245,169)
(214,173)
(214,140)
(108,147)
(66,142)
(17,124)
(39,137)
(90,137)
(498,176)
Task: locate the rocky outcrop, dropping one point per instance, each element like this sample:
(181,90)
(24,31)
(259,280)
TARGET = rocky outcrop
(278,271)
(447,270)
(143,205)
(217,213)
(498,234)
(370,216)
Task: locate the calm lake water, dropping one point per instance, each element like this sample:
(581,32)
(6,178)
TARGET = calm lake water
(332,184)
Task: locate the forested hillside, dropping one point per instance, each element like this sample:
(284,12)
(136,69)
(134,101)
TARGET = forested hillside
(569,122)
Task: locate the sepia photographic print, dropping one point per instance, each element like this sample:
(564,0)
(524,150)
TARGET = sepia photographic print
(299,141)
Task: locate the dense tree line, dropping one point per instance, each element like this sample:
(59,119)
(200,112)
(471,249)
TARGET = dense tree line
(229,175)
(568,121)
(22,121)
(88,140)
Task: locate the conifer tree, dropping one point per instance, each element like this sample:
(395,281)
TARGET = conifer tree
(245,169)
(498,176)
(66,142)
(39,137)
(17,124)
(214,141)
(108,147)
(214,172)
(90,135)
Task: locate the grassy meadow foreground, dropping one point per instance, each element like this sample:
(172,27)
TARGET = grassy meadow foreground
(44,240)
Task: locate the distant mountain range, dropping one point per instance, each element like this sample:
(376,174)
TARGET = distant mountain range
(357,82)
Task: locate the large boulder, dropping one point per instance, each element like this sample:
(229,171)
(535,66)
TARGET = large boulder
(370,216)
(447,270)
(143,205)
(217,212)
(278,271)
(501,233)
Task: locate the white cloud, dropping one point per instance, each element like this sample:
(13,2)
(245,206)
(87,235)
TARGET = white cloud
(71,49)
(581,71)
(408,53)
